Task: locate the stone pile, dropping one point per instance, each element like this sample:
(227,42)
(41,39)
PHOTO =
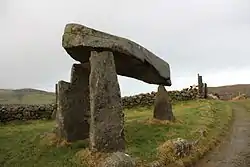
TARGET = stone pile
(176,148)
(182,147)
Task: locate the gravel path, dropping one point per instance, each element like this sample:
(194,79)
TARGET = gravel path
(234,151)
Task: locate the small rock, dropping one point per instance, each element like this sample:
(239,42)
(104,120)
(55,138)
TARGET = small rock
(118,159)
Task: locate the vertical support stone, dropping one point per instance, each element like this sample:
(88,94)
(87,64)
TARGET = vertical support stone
(80,108)
(200,85)
(56,93)
(107,118)
(162,106)
(53,116)
(205,90)
(73,111)
(62,109)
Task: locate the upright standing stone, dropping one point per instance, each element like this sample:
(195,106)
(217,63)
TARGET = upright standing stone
(73,105)
(80,107)
(205,90)
(56,92)
(200,85)
(163,107)
(62,108)
(107,118)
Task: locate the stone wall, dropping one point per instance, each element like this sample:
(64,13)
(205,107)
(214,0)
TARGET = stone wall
(12,112)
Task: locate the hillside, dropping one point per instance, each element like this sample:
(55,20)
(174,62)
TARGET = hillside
(25,96)
(228,91)
(34,96)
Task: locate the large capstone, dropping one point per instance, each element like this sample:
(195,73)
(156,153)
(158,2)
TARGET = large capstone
(73,111)
(107,118)
(131,59)
(163,107)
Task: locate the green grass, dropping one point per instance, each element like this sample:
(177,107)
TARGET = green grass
(245,103)
(21,143)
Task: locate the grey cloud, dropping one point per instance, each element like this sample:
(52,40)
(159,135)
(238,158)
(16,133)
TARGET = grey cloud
(193,36)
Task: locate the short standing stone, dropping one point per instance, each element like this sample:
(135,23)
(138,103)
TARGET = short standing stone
(107,118)
(73,109)
(205,90)
(200,85)
(163,106)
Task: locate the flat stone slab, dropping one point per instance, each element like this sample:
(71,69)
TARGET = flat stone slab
(131,59)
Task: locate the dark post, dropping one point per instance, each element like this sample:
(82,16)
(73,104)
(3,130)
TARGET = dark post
(200,85)
(56,92)
(205,90)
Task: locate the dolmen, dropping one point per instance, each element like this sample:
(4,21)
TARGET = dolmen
(90,106)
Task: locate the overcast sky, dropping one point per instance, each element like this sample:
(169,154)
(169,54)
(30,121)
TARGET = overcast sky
(210,37)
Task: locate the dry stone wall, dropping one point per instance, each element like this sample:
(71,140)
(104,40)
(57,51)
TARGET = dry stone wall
(13,112)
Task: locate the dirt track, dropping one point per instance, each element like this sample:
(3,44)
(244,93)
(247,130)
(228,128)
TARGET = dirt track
(234,151)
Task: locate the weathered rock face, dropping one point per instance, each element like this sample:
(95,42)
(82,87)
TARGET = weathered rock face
(73,109)
(107,118)
(62,109)
(118,159)
(53,116)
(163,106)
(131,59)
(205,90)
(200,85)
(174,149)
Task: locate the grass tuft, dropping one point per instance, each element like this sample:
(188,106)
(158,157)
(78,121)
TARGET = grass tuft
(50,139)
(90,159)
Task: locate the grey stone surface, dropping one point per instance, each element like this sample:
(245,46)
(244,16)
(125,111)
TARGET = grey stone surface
(131,59)
(118,159)
(200,85)
(205,90)
(53,116)
(73,112)
(62,107)
(107,118)
(163,106)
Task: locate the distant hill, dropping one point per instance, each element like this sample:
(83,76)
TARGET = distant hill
(229,91)
(25,96)
(34,96)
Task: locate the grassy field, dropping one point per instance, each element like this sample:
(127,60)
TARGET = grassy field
(21,142)
(245,103)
